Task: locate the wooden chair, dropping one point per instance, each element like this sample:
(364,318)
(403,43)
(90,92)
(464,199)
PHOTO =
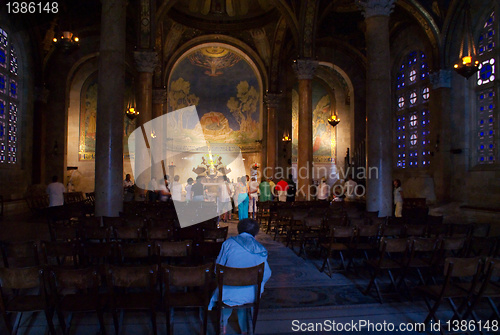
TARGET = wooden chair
(229,276)
(342,241)
(14,285)
(133,288)
(392,256)
(58,253)
(158,233)
(76,291)
(489,289)
(127,234)
(100,253)
(136,253)
(215,234)
(173,252)
(187,286)
(96,234)
(20,254)
(454,268)
(367,239)
(421,257)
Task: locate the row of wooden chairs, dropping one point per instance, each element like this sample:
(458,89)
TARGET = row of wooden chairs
(149,288)
(81,254)
(136,234)
(467,281)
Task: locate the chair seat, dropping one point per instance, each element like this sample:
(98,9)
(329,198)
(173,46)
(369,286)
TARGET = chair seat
(384,264)
(25,303)
(335,246)
(420,263)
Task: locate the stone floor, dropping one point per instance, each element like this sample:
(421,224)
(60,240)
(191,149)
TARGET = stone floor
(297,298)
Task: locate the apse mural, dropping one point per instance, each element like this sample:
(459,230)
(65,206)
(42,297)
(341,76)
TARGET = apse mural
(323,134)
(225,90)
(88,113)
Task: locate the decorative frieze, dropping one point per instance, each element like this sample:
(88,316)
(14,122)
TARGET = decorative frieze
(305,68)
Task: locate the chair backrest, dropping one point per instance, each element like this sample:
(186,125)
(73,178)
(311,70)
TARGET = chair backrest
(160,233)
(142,250)
(97,233)
(367,230)
(132,276)
(60,250)
(416,230)
(127,233)
(395,245)
(20,254)
(189,276)
(424,244)
(173,248)
(342,232)
(239,276)
(99,253)
(462,267)
(21,278)
(215,234)
(80,279)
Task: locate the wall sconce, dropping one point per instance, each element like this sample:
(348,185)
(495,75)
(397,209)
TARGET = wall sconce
(333,120)
(286,137)
(467,65)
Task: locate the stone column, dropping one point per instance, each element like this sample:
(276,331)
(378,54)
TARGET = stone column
(304,69)
(39,138)
(272,101)
(439,107)
(146,62)
(378,106)
(109,121)
(159,100)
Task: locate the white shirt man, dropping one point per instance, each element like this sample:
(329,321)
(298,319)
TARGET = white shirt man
(55,190)
(350,188)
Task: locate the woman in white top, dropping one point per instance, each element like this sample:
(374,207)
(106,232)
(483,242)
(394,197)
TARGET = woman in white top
(224,200)
(398,198)
(323,190)
(253,188)
(176,189)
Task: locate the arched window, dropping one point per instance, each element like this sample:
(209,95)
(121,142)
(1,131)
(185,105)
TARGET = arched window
(412,112)
(9,101)
(486,94)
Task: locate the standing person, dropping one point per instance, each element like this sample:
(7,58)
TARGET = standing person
(291,190)
(224,200)
(56,190)
(198,190)
(176,189)
(323,190)
(164,193)
(128,188)
(241,190)
(272,185)
(253,196)
(241,251)
(189,195)
(350,188)
(265,190)
(152,190)
(398,198)
(281,190)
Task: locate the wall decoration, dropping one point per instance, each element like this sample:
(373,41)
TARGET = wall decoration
(88,115)
(323,140)
(227,94)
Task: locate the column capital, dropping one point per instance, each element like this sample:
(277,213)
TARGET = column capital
(146,61)
(159,95)
(305,68)
(375,7)
(273,100)
(440,79)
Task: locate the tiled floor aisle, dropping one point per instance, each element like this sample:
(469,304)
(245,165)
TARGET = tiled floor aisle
(297,295)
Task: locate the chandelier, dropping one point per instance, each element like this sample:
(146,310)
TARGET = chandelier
(67,41)
(467,64)
(333,120)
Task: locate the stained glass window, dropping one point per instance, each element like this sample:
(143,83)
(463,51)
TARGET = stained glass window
(9,94)
(412,112)
(486,94)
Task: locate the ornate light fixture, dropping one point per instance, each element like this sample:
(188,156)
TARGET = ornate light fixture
(286,137)
(67,41)
(131,112)
(467,65)
(333,120)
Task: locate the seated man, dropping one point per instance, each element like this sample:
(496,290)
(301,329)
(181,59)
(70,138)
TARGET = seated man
(241,251)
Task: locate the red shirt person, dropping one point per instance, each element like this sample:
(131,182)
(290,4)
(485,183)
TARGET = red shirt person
(280,189)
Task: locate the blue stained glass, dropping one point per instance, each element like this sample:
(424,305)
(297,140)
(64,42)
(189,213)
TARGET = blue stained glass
(491,132)
(13,88)
(3,57)
(491,146)
(481,133)
(490,46)
(486,71)
(490,19)
(482,147)
(481,122)
(481,108)
(490,94)
(2,82)
(490,33)
(480,38)
(490,106)
(481,49)
(481,96)
(491,119)
(491,158)
(482,159)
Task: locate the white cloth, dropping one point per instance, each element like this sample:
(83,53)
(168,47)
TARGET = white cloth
(350,187)
(176,191)
(188,192)
(323,191)
(397,195)
(56,194)
(241,251)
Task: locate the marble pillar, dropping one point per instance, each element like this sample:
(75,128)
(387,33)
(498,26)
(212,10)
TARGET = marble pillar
(146,62)
(110,111)
(439,108)
(378,106)
(272,101)
(305,68)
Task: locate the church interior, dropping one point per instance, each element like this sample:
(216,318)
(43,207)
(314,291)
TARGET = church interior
(307,91)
